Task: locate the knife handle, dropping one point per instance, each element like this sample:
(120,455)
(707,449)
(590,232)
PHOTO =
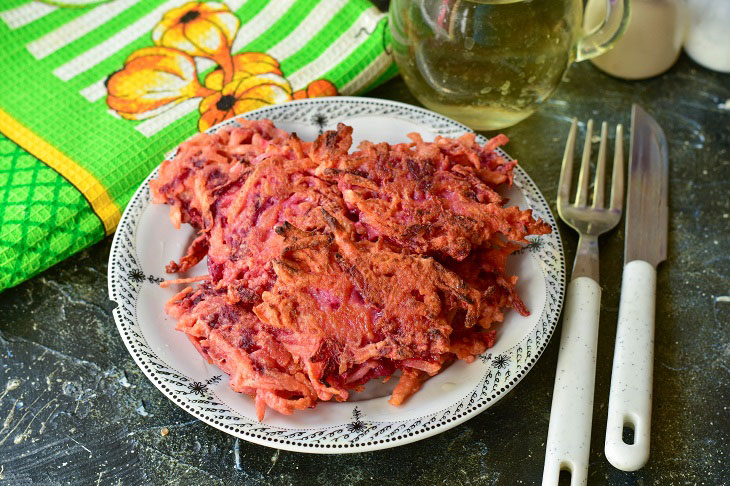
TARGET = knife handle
(629,404)
(569,434)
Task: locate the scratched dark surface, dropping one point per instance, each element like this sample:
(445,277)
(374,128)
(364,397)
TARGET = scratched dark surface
(75,409)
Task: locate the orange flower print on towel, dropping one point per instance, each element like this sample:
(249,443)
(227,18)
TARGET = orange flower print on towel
(242,95)
(244,65)
(155,79)
(199,29)
(316,89)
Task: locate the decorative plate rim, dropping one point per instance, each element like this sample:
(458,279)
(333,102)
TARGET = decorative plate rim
(125,282)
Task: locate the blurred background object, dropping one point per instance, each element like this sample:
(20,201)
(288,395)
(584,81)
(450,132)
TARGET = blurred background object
(651,43)
(707,40)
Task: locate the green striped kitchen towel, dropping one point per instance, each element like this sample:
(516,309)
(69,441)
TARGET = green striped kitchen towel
(94,92)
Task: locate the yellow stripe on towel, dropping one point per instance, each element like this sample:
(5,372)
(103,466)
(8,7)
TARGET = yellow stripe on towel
(103,205)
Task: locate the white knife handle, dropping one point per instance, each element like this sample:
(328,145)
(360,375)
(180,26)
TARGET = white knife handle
(569,433)
(633,361)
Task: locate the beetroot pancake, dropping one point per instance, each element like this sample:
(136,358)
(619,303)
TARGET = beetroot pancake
(327,268)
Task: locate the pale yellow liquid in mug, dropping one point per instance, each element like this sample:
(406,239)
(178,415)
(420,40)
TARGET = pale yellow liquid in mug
(488,64)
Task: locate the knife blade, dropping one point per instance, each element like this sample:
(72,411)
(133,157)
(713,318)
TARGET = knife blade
(646,205)
(629,403)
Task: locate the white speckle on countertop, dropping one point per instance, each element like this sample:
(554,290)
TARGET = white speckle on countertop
(141,410)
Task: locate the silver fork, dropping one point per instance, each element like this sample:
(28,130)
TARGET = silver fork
(569,433)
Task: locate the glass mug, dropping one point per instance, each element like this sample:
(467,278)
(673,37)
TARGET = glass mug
(491,63)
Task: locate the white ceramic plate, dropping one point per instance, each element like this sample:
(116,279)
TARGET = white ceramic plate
(146,240)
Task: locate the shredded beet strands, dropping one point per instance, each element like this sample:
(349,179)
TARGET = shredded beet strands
(327,269)
(428,197)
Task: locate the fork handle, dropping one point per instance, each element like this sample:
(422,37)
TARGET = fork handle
(569,433)
(629,403)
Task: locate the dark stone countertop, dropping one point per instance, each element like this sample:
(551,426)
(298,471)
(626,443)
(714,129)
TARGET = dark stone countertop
(74,407)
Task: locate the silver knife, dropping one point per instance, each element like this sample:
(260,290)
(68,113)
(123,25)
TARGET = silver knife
(629,404)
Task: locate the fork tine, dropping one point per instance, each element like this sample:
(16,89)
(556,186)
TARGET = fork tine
(566,170)
(617,182)
(581,197)
(600,169)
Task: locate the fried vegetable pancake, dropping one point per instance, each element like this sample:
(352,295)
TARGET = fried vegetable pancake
(328,268)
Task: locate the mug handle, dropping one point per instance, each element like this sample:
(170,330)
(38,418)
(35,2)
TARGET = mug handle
(602,38)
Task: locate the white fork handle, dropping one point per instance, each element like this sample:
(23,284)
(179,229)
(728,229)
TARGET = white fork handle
(569,433)
(633,363)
